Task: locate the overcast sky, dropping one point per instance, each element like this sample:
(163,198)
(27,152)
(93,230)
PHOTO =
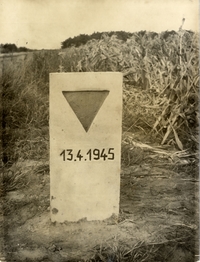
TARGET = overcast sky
(46,23)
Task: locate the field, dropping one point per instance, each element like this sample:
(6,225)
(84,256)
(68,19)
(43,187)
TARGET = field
(159,208)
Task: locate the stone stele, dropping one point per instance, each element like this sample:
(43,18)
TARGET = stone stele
(85,145)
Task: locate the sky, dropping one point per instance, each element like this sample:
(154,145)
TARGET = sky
(44,24)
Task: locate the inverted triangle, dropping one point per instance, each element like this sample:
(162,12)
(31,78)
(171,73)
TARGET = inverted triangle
(85,104)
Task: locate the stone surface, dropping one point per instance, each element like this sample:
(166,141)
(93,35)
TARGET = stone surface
(85,145)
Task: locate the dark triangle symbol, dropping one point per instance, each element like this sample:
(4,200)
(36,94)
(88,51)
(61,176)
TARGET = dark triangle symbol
(85,104)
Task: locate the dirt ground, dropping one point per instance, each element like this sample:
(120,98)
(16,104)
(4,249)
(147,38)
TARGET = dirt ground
(158,212)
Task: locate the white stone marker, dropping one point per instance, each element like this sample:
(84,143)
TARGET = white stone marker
(85,145)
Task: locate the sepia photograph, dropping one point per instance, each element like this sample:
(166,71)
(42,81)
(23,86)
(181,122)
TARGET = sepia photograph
(99,111)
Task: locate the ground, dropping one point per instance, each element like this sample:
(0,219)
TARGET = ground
(158,218)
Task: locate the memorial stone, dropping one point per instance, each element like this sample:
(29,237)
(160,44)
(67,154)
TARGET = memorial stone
(85,145)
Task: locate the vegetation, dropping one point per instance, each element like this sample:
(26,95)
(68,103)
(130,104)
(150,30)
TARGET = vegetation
(82,39)
(12,48)
(160,76)
(161,82)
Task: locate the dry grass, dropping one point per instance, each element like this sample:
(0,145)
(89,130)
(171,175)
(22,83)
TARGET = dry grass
(178,245)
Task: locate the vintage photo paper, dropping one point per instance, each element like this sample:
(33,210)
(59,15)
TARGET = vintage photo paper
(99,130)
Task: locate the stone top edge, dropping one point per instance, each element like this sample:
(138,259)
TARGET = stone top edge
(75,73)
